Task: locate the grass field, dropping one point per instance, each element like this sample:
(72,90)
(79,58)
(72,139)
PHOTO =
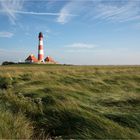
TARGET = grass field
(79,102)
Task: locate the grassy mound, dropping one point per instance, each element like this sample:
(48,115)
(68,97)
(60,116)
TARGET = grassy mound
(79,102)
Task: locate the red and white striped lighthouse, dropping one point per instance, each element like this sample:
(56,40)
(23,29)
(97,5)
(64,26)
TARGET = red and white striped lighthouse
(40,48)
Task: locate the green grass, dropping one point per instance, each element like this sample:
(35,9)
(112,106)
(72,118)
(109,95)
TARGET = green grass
(69,102)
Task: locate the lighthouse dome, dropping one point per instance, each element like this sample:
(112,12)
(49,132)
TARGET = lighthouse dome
(40,34)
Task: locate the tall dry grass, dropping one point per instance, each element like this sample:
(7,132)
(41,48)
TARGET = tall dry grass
(79,102)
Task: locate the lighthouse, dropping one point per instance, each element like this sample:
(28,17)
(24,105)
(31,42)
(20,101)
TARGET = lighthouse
(32,59)
(40,48)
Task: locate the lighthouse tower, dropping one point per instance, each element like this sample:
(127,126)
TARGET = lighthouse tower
(40,48)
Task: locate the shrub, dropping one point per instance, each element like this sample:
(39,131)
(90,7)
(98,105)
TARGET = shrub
(8,63)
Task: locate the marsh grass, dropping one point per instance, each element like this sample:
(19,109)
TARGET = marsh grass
(65,102)
(14,126)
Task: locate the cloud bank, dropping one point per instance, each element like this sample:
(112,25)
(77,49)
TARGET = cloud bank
(11,8)
(6,34)
(111,11)
(81,46)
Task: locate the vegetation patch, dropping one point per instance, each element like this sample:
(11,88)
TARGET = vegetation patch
(121,103)
(15,126)
(5,82)
(127,120)
(26,77)
(69,102)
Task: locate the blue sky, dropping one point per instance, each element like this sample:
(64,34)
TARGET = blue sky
(75,31)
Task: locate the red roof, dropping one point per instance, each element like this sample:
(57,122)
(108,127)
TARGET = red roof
(49,59)
(31,58)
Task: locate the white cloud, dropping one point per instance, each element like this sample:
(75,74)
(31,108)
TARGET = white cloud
(71,9)
(13,7)
(6,34)
(109,11)
(122,11)
(8,7)
(81,46)
(63,17)
(37,13)
(117,12)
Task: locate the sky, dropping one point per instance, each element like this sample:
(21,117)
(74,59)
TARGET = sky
(83,32)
